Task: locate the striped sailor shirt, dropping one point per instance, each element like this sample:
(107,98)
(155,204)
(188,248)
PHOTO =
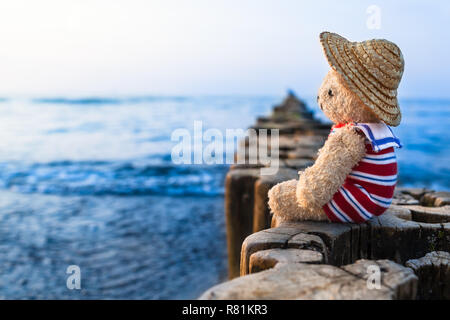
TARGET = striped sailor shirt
(369,188)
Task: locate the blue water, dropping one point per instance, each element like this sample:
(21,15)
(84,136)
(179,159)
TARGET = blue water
(106,146)
(90,182)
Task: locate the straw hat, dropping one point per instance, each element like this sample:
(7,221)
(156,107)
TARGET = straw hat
(372,69)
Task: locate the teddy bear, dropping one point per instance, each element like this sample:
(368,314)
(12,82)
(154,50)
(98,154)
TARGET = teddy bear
(355,172)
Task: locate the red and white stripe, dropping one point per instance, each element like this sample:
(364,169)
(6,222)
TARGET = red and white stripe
(368,189)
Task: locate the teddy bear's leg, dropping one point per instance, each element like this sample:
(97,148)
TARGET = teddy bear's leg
(283,203)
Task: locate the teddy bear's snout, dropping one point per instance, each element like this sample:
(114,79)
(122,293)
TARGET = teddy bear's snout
(320,104)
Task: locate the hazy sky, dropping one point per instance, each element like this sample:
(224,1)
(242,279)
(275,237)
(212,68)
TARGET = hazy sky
(130,47)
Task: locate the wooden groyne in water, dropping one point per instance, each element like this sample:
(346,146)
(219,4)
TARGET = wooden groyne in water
(408,245)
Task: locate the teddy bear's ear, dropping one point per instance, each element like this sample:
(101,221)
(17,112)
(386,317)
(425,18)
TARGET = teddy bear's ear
(372,69)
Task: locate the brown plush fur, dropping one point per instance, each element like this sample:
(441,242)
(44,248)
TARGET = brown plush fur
(303,199)
(283,201)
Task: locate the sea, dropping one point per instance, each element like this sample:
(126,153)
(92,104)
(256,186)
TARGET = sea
(92,205)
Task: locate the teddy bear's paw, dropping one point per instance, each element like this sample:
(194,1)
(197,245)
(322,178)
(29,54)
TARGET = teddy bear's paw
(283,204)
(283,201)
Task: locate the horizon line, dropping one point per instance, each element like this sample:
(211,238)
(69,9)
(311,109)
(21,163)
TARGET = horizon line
(92,98)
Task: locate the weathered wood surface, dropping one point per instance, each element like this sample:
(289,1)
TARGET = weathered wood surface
(394,235)
(429,214)
(436,199)
(401,212)
(266,259)
(297,164)
(239,202)
(282,238)
(400,240)
(344,242)
(433,271)
(293,280)
(305,127)
(423,196)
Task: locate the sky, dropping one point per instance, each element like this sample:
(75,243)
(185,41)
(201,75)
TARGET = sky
(207,47)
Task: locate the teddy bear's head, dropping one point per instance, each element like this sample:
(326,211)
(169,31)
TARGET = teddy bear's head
(340,104)
(362,83)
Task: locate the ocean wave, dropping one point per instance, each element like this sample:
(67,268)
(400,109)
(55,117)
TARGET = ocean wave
(106,100)
(113,178)
(92,100)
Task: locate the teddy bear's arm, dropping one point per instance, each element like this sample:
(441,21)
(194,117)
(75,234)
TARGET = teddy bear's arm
(340,153)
